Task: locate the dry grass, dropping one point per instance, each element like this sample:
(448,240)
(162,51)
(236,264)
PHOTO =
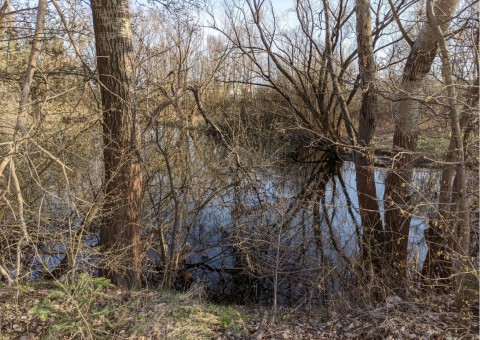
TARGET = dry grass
(128,315)
(170,315)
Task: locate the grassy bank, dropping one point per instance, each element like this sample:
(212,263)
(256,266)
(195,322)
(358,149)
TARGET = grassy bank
(93,309)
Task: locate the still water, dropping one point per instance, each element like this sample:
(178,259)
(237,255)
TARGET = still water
(273,230)
(259,238)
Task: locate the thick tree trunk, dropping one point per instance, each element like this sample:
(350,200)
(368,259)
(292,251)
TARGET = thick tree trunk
(407,111)
(120,229)
(364,157)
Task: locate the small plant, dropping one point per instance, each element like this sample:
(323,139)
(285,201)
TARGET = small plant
(75,308)
(227,316)
(226,320)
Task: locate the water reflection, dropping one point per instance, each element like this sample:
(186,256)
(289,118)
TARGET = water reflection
(281,235)
(289,233)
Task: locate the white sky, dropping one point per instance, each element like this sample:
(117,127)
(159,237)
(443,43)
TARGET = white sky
(282,8)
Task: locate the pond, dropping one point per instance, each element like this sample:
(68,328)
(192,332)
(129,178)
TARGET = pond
(273,235)
(265,237)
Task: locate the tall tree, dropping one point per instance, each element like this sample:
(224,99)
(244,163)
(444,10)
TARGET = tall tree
(364,157)
(407,112)
(120,229)
(442,229)
(457,136)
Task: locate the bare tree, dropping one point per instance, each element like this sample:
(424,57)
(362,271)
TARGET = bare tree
(461,264)
(407,112)
(441,235)
(120,229)
(364,157)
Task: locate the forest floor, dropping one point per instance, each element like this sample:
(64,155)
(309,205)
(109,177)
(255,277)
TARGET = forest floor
(90,310)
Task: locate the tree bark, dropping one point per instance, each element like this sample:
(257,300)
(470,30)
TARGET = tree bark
(120,228)
(440,233)
(364,158)
(407,111)
(463,237)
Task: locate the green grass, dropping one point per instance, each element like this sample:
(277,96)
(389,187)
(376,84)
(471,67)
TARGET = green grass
(433,144)
(231,318)
(91,309)
(436,145)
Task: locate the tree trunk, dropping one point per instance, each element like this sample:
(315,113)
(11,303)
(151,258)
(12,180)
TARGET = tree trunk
(463,237)
(407,111)
(120,229)
(437,267)
(364,157)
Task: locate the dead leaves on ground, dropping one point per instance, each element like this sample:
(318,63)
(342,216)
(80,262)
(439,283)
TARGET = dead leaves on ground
(160,315)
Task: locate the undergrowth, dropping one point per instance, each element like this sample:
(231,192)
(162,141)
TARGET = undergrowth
(91,308)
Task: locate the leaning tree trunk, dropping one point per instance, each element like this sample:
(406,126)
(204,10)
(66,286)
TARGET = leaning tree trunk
(364,157)
(407,111)
(120,228)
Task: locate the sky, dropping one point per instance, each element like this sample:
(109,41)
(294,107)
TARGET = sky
(282,8)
